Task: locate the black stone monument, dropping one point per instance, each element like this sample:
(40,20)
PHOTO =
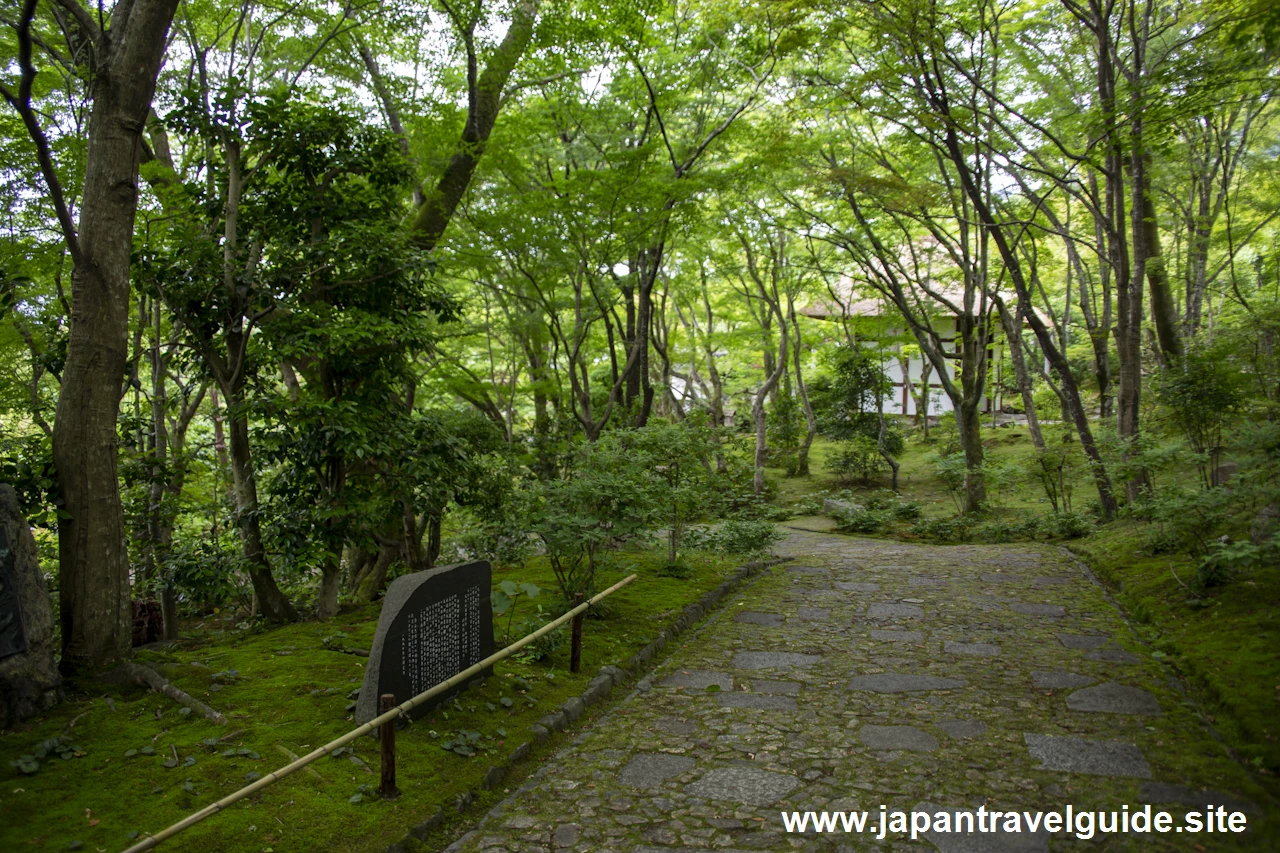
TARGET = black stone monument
(434,624)
(12,638)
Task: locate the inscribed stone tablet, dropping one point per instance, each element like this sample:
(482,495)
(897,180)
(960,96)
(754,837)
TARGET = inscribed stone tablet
(434,624)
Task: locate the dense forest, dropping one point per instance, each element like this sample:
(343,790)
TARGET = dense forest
(301,297)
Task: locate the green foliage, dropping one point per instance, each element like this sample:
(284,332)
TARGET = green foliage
(862,520)
(58,747)
(857,457)
(1199,396)
(736,536)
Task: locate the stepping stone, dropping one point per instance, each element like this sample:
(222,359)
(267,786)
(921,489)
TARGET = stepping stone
(773,660)
(888,682)
(981,649)
(1054,611)
(763,685)
(699,679)
(898,737)
(566,835)
(769,620)
(963,728)
(898,636)
(1058,680)
(749,785)
(999,578)
(1112,698)
(897,610)
(1158,793)
(814,614)
(1094,757)
(1114,656)
(997,841)
(651,769)
(851,586)
(927,581)
(754,700)
(1044,583)
(1084,641)
(806,570)
(890,663)
(675,726)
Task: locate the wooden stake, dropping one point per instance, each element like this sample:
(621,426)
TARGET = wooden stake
(389,790)
(575,645)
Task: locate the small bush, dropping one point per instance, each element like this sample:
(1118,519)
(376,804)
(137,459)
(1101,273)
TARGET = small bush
(859,520)
(734,536)
(857,457)
(956,529)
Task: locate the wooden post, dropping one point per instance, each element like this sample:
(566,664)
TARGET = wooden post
(389,790)
(575,648)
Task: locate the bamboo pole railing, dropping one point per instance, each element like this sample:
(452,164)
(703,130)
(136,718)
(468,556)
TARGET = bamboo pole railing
(152,841)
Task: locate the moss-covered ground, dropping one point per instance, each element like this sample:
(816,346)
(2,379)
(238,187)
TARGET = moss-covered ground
(286,693)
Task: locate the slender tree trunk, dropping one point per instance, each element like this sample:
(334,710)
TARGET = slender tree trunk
(758,413)
(811,422)
(1163,310)
(275,606)
(1013,335)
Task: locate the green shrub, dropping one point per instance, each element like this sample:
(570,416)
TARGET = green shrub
(856,457)
(859,520)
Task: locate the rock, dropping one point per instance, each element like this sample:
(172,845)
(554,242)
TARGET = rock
(1112,698)
(839,508)
(29,680)
(1225,472)
(1264,523)
(737,784)
(650,769)
(898,737)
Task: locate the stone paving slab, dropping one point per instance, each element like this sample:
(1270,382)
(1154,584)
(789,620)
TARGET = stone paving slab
(822,711)
(751,617)
(1097,758)
(1112,698)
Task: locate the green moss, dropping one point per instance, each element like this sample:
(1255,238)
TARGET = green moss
(1223,640)
(284,691)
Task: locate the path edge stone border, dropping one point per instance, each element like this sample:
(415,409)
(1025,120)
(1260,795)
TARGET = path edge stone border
(598,689)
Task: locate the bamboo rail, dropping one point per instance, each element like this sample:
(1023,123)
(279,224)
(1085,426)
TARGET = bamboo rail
(152,841)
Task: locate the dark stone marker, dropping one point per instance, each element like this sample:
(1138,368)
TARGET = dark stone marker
(434,624)
(12,638)
(29,680)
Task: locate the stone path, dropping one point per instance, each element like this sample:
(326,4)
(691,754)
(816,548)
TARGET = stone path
(869,673)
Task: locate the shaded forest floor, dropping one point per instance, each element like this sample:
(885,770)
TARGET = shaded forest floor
(285,691)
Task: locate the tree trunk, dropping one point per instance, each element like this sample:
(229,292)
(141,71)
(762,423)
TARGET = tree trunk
(94,600)
(485,98)
(811,422)
(1013,335)
(757,410)
(1163,310)
(275,606)
(375,579)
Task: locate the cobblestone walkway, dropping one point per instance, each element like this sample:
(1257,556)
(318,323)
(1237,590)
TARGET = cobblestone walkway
(868,673)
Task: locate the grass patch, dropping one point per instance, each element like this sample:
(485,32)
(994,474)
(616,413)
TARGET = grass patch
(284,691)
